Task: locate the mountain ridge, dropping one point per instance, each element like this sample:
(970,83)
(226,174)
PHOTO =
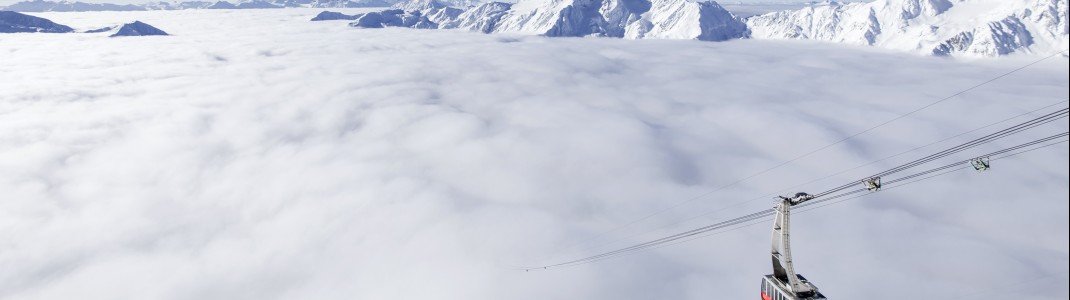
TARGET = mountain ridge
(75,6)
(969,28)
(979,28)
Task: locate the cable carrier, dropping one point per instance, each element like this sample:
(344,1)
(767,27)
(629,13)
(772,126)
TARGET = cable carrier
(784,283)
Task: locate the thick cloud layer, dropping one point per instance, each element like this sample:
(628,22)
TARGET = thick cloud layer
(254,154)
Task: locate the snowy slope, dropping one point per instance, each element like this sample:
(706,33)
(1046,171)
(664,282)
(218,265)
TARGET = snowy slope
(635,19)
(680,19)
(222,5)
(433,10)
(256,4)
(43,5)
(64,5)
(940,27)
(137,28)
(483,18)
(163,5)
(393,18)
(421,14)
(984,28)
(677,19)
(333,15)
(343,3)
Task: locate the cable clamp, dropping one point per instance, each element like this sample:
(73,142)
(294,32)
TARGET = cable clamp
(981,163)
(872,184)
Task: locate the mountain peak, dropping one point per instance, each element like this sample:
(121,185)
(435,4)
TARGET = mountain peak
(137,28)
(941,27)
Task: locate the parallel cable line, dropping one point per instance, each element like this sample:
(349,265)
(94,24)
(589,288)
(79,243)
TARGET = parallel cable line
(808,154)
(696,231)
(955,164)
(814,207)
(1050,117)
(824,198)
(905,152)
(736,204)
(806,209)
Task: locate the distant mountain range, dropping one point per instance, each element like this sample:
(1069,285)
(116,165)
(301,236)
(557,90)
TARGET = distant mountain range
(635,19)
(69,6)
(62,6)
(15,22)
(938,27)
(979,28)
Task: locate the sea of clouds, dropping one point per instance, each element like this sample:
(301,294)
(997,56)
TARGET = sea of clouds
(256,155)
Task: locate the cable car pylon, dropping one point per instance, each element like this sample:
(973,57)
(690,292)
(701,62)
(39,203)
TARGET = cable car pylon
(784,283)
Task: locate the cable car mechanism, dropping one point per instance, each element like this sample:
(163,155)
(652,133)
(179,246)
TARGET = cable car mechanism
(873,184)
(784,283)
(980,163)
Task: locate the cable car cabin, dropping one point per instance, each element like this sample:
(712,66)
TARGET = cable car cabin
(774,289)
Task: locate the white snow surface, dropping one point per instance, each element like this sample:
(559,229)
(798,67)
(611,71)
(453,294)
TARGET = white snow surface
(674,19)
(682,19)
(977,28)
(434,10)
(71,6)
(483,18)
(257,155)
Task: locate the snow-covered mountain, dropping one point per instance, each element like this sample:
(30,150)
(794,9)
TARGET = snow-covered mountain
(136,28)
(979,28)
(345,3)
(681,19)
(221,5)
(938,27)
(678,19)
(63,5)
(467,3)
(11,22)
(932,27)
(393,18)
(256,4)
(162,5)
(673,19)
(433,10)
(422,14)
(44,5)
(483,18)
(333,15)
